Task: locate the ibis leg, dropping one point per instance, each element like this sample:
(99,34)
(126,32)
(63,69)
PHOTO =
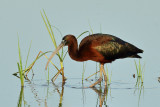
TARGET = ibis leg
(104,73)
(99,80)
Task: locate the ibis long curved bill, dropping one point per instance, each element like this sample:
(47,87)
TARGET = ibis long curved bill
(54,52)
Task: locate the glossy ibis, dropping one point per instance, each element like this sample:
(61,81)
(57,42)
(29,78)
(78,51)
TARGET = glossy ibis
(102,48)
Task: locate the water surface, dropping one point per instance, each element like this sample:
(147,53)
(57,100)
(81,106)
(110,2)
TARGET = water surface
(136,22)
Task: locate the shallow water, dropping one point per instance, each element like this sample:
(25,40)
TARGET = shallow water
(72,93)
(122,91)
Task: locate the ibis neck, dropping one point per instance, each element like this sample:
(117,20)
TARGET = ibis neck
(73,49)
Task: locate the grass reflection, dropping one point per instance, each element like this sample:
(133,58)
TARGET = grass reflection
(21,99)
(41,95)
(40,100)
(139,88)
(60,93)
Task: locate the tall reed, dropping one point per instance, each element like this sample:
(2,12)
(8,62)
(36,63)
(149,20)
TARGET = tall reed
(51,34)
(24,71)
(20,69)
(140,70)
(108,79)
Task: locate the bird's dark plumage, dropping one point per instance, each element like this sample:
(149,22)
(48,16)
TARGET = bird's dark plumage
(109,46)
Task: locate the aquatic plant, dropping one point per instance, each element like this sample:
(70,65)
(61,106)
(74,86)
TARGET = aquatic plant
(20,69)
(50,31)
(140,70)
(84,69)
(108,79)
(139,88)
(23,72)
(140,78)
(21,96)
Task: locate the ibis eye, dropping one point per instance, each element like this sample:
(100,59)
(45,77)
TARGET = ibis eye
(64,42)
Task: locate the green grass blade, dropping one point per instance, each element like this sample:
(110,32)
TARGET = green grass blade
(47,27)
(136,66)
(61,36)
(41,55)
(50,31)
(36,60)
(83,72)
(60,58)
(28,54)
(20,58)
(84,69)
(110,77)
(52,34)
(21,97)
(64,55)
(140,72)
(20,69)
(107,72)
(58,30)
(82,34)
(90,27)
(143,70)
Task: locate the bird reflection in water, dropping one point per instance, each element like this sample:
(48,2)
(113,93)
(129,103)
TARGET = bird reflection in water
(102,94)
